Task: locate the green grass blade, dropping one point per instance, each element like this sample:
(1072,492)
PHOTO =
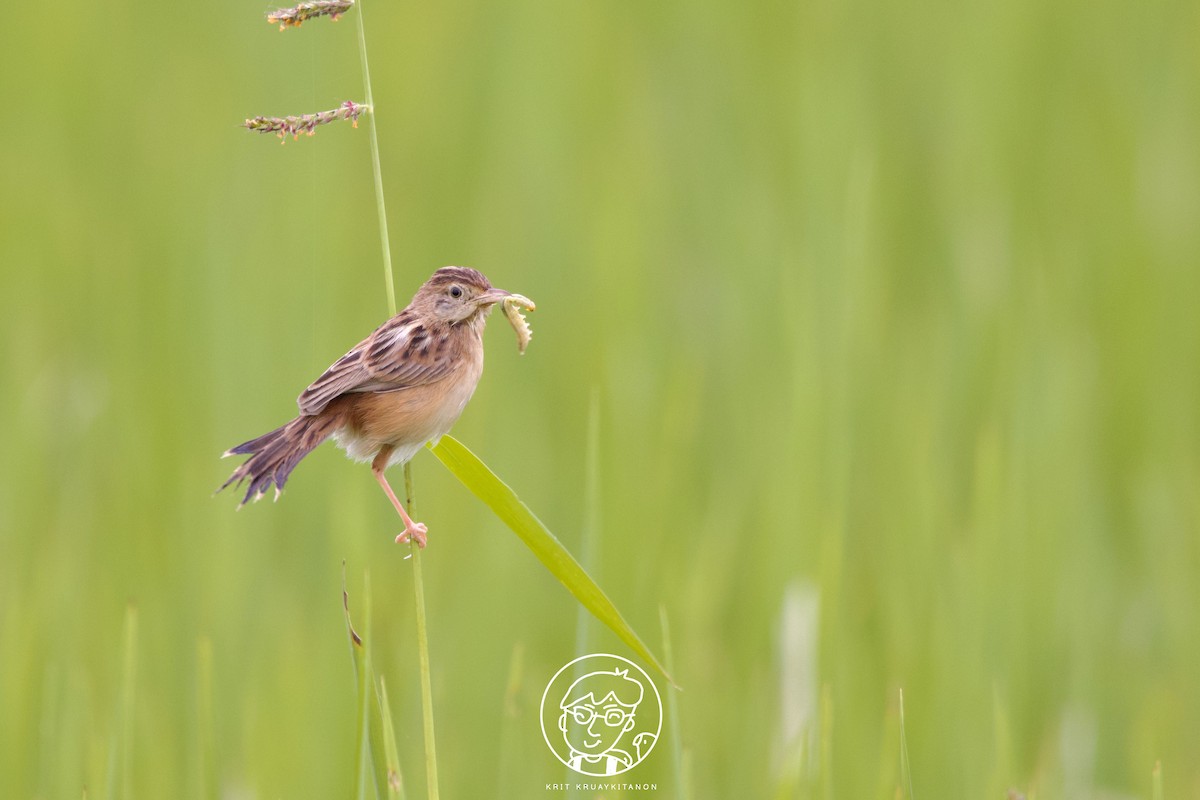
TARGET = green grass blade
(1157,792)
(484,484)
(376,735)
(431,766)
(377,738)
(388,278)
(358,651)
(395,779)
(431,771)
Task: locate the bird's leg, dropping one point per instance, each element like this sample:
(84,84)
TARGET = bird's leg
(412,530)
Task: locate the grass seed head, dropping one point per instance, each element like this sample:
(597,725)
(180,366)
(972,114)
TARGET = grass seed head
(297,15)
(306,123)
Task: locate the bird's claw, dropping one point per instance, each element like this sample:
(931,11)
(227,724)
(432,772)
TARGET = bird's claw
(416,532)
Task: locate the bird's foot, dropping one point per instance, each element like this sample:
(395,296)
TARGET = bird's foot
(415,532)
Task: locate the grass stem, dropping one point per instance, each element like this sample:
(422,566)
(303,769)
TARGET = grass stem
(362,667)
(431,779)
(418,578)
(384,241)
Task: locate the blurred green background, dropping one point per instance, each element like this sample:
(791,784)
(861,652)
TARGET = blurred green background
(888,311)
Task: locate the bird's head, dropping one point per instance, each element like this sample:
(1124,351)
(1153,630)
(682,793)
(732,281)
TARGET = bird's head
(458,294)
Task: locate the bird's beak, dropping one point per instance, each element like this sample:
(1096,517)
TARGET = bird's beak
(491,297)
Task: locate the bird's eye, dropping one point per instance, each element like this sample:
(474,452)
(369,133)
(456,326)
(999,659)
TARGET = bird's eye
(456,291)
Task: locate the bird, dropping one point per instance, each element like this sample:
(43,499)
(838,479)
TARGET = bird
(403,386)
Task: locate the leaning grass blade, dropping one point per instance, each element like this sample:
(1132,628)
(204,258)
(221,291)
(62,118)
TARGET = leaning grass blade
(431,771)
(377,739)
(391,756)
(484,484)
(358,651)
(375,736)
(377,758)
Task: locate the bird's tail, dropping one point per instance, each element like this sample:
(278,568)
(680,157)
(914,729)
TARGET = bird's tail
(274,455)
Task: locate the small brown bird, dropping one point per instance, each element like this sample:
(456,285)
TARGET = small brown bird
(404,385)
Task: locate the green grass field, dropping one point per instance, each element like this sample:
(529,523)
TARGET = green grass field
(888,312)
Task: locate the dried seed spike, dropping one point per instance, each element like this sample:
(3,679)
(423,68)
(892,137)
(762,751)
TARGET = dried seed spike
(306,123)
(297,15)
(512,309)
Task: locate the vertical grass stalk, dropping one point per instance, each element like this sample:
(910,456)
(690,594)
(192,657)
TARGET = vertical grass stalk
(395,779)
(389,283)
(385,243)
(431,780)
(362,668)
(375,737)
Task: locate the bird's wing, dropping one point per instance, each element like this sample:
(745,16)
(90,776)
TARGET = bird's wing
(396,356)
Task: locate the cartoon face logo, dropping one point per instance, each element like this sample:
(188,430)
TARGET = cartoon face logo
(599,718)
